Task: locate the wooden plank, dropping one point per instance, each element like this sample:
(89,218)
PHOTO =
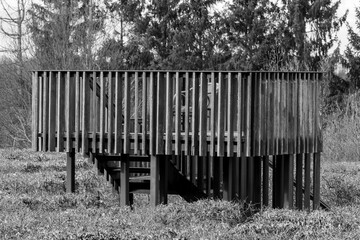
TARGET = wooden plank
(316,181)
(85,115)
(77,111)
(239,122)
(257,181)
(228,179)
(256,96)
(307,182)
(52,111)
(187,147)
(69,111)
(203,115)
(217,166)
(212,115)
(152,111)
(110,115)
(231,114)
(248,121)
(35,110)
(221,116)
(102,113)
(94,112)
(286,116)
(41,111)
(195,116)
(70,172)
(124,180)
(265,180)
(243,160)
(178,98)
(163,171)
(154,180)
(288,181)
(271,115)
(118,114)
(127,98)
(45,111)
(144,114)
(160,114)
(299,115)
(136,114)
(250,179)
(312,108)
(60,113)
(169,114)
(263,116)
(299,181)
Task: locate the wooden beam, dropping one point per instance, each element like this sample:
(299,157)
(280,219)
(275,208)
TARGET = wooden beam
(70,172)
(154,180)
(124,181)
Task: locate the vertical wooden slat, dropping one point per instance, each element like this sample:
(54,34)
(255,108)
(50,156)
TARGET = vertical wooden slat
(136,115)
(239,114)
(52,111)
(248,120)
(118,114)
(195,116)
(102,113)
(77,111)
(263,111)
(213,115)
(94,116)
(69,111)
(45,111)
(85,115)
(144,113)
(271,115)
(231,114)
(35,110)
(243,160)
(60,113)
(169,114)
(177,114)
(152,110)
(127,98)
(256,115)
(160,113)
(110,114)
(203,115)
(221,116)
(286,116)
(187,113)
(41,111)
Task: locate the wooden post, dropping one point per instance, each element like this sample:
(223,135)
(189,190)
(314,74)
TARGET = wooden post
(228,177)
(316,181)
(288,181)
(216,184)
(154,180)
(307,182)
(124,181)
(257,181)
(299,181)
(164,161)
(266,180)
(250,179)
(70,172)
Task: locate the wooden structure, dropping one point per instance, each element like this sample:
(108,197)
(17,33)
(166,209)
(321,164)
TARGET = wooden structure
(194,133)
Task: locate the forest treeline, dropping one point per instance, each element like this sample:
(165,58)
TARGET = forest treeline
(168,34)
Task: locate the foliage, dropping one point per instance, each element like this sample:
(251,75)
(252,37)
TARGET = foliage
(34,205)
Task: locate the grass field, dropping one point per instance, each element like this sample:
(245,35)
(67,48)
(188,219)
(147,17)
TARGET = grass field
(34,205)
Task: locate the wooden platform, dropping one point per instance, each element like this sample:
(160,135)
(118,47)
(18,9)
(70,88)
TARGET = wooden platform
(220,130)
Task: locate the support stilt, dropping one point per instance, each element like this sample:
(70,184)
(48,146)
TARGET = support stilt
(70,172)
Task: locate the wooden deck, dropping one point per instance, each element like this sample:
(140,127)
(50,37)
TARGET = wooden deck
(222,127)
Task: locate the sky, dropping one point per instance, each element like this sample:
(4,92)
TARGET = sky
(342,35)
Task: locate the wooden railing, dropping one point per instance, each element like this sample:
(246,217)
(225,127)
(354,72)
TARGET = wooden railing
(169,112)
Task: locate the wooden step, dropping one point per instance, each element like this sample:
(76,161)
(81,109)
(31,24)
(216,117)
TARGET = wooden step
(131,169)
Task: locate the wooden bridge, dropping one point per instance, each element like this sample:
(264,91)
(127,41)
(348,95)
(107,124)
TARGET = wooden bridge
(193,133)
